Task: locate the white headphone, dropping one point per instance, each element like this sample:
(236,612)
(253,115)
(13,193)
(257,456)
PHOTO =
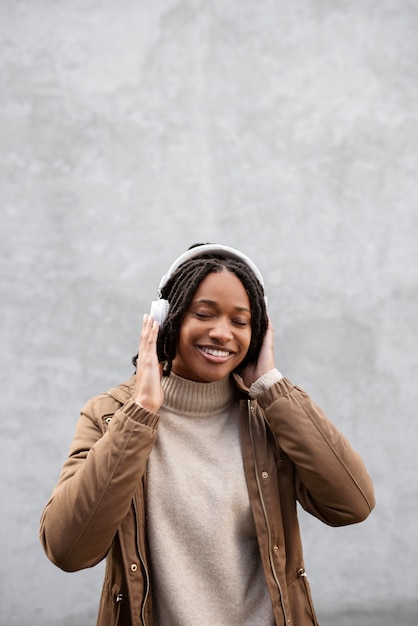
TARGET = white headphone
(160,307)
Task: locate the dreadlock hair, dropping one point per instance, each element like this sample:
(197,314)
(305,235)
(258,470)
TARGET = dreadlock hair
(180,289)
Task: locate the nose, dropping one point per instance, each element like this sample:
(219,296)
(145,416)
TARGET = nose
(221,331)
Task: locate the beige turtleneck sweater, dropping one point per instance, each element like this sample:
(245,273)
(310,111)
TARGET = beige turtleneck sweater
(205,564)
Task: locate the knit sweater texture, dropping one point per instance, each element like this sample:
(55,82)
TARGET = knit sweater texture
(205,564)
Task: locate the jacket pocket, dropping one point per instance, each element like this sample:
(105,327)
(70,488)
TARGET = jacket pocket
(114,609)
(300,600)
(122,616)
(106,419)
(307,589)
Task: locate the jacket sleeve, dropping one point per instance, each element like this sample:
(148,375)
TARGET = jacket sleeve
(97,482)
(331,480)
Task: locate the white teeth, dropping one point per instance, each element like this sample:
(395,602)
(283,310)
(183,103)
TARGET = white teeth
(212,352)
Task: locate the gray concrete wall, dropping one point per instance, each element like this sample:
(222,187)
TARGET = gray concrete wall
(128,131)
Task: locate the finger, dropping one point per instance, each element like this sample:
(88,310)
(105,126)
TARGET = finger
(155,325)
(153,332)
(148,341)
(145,324)
(149,324)
(147,333)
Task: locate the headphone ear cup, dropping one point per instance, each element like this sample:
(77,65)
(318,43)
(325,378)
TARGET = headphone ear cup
(159,310)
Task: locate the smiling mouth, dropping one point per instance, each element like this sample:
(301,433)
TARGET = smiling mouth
(216,352)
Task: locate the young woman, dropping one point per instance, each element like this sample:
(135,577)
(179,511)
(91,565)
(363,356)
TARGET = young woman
(186,477)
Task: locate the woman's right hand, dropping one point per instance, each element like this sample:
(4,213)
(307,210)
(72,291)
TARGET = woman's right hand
(148,390)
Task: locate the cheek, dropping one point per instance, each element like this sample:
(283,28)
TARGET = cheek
(184,339)
(252,340)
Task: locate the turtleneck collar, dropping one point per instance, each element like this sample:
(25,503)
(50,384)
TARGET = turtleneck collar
(187,396)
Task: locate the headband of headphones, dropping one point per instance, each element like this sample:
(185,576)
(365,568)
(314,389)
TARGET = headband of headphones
(160,307)
(207,248)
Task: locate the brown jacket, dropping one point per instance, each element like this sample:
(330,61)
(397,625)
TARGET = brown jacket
(291,453)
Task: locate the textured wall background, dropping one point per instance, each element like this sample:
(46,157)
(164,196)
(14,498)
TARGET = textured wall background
(130,130)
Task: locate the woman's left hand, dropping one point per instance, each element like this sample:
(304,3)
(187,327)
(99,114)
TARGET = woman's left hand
(265,361)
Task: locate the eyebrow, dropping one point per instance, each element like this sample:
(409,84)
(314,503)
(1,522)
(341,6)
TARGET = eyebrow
(213,303)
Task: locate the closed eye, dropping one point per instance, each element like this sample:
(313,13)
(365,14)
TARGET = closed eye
(240,322)
(202,315)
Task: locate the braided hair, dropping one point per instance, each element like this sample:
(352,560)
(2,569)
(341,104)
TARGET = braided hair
(180,289)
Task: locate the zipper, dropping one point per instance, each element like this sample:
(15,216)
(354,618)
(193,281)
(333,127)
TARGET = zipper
(141,558)
(263,504)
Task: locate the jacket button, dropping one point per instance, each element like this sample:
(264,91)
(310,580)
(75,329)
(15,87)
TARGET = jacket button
(265,474)
(134,567)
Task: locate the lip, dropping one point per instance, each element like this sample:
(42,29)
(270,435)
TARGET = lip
(215,354)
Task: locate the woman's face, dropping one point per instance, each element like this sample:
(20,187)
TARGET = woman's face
(215,333)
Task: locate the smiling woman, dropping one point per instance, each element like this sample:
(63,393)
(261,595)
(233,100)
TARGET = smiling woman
(215,333)
(183,280)
(186,477)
